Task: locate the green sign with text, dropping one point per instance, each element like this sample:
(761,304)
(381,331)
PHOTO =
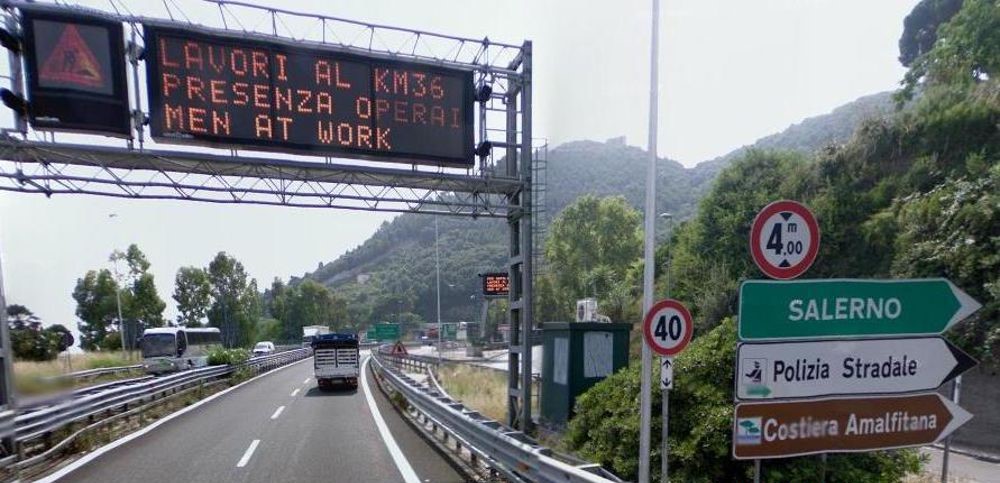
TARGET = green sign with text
(830,308)
(384,332)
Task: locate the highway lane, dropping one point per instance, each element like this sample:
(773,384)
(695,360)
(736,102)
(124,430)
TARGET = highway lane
(301,434)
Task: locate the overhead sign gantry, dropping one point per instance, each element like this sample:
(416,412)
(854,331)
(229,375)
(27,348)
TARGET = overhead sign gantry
(300,110)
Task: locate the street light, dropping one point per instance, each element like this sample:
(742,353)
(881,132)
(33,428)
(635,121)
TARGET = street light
(115,256)
(437,270)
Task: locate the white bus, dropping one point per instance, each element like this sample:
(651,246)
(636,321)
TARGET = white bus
(169,349)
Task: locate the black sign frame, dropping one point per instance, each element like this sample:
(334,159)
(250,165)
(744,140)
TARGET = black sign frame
(76,110)
(495,275)
(153,31)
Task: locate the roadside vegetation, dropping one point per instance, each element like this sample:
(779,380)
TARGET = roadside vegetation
(484,390)
(913,194)
(31,377)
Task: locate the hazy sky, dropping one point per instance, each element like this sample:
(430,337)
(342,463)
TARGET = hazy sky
(731,71)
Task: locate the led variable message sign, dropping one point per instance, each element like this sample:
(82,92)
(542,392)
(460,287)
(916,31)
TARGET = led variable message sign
(496,284)
(76,73)
(213,89)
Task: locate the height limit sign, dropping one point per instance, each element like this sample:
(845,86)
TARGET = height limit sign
(784,239)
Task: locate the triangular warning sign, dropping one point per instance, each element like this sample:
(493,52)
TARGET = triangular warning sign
(71,61)
(398,349)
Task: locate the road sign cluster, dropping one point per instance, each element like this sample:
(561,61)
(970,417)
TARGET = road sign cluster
(839,365)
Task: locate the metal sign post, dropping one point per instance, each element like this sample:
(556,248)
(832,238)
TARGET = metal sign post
(666,384)
(667,330)
(649,258)
(956,388)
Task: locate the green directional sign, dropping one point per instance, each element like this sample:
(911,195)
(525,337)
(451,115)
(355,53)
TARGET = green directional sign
(384,332)
(830,308)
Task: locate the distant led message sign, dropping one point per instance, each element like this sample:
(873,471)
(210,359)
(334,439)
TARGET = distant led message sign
(238,92)
(496,284)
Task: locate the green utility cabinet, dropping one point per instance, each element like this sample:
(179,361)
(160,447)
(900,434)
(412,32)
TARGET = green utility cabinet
(576,356)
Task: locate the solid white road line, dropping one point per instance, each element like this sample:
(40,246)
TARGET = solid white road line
(402,464)
(295,392)
(277,412)
(129,437)
(248,453)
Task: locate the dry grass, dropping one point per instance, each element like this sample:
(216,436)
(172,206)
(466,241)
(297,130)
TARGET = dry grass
(29,375)
(484,390)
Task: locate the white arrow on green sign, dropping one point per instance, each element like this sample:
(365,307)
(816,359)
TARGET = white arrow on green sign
(834,308)
(771,370)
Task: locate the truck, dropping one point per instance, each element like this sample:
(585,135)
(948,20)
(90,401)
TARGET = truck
(336,360)
(310,331)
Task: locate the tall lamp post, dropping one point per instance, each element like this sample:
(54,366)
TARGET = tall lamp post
(115,256)
(645,391)
(437,270)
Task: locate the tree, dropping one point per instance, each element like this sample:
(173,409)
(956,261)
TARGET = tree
(711,250)
(193,295)
(96,307)
(605,428)
(142,306)
(965,52)
(276,298)
(29,339)
(236,305)
(590,246)
(145,304)
(920,27)
(269,330)
(310,303)
(954,230)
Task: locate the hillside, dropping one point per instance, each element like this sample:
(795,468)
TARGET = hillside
(398,260)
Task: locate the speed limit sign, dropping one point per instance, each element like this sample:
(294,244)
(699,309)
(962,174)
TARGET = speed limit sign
(667,327)
(784,239)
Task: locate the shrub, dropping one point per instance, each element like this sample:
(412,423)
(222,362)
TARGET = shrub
(221,356)
(606,426)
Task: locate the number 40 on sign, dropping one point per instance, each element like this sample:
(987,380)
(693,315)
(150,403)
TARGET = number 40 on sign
(667,327)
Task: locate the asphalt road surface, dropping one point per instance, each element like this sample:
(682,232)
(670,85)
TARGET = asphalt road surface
(280,427)
(962,469)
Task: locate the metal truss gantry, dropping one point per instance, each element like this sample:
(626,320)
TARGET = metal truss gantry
(498,186)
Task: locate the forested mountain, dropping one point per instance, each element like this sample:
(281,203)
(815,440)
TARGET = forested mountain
(396,265)
(914,195)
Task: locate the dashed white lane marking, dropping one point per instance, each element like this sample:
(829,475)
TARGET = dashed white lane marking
(246,455)
(295,392)
(402,464)
(131,436)
(277,412)
(306,381)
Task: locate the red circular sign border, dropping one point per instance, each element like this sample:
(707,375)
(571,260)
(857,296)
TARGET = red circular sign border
(814,239)
(647,325)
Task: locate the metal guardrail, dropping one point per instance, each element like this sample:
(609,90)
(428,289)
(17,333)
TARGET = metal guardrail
(513,453)
(94,372)
(26,404)
(31,425)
